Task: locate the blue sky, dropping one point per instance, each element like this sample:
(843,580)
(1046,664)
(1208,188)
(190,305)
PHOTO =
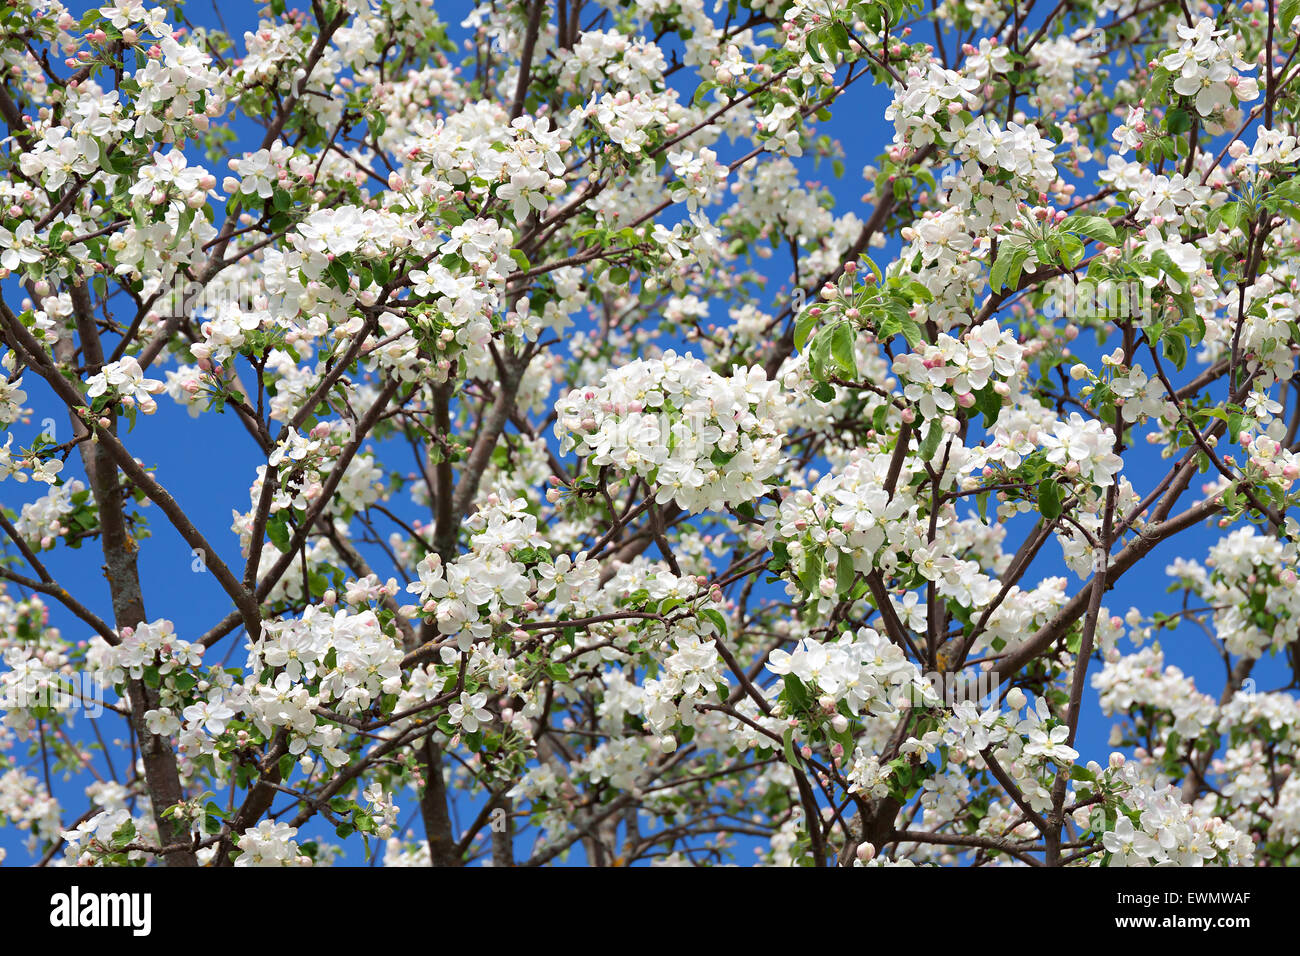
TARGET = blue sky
(208,464)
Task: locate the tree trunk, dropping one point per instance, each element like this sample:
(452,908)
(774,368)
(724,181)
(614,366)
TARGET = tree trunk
(162,777)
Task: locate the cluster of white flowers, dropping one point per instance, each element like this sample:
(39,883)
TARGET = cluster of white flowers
(1021,150)
(924,107)
(1251,585)
(12,395)
(56,156)
(1273,147)
(169,177)
(364,661)
(40,522)
(1209,68)
(26,803)
(402,228)
(20,246)
(94,836)
(382,809)
(1141,396)
(867,776)
(847,511)
(620,762)
(613,58)
(974,730)
(488,576)
(1270,311)
(692,672)
(32,680)
(125,379)
(1168,200)
(947,373)
(1266,724)
(1143,680)
(701,439)
(1083,447)
(700,176)
(366,233)
(1128,134)
(1020,614)
(270,844)
(628,118)
(303,464)
(1170,832)
(849,515)
(1030,749)
(1186,256)
(1057,60)
(145,645)
(862,670)
(1271,460)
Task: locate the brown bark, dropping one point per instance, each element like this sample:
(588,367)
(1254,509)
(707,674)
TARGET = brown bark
(433,807)
(162,777)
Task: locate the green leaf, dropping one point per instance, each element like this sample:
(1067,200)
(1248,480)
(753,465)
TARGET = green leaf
(277,529)
(716,619)
(1006,270)
(1288,190)
(912,332)
(1177,121)
(844,575)
(1070,249)
(1230,214)
(842,350)
(339,273)
(931,443)
(818,355)
(811,575)
(841,36)
(1235,422)
(123,834)
(1049,498)
(796,694)
(1094,227)
(919,292)
(1159,83)
(1287,14)
(1175,347)
(803,328)
(989,403)
(788,743)
(816,43)
(1167,265)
